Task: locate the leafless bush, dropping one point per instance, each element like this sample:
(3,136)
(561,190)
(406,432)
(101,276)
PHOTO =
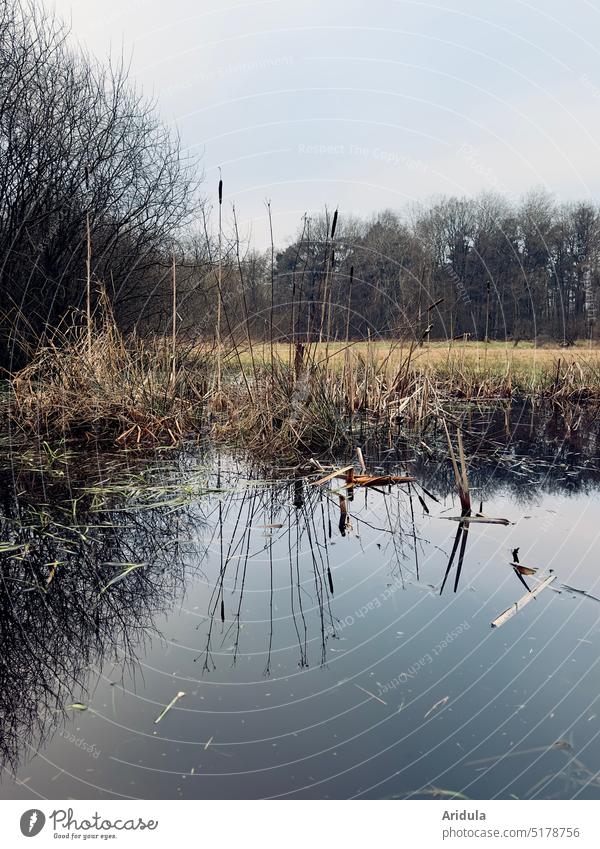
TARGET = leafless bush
(78,143)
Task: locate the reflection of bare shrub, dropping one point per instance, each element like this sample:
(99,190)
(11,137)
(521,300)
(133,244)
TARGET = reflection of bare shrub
(55,623)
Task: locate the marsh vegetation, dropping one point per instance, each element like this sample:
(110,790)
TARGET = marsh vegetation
(260,508)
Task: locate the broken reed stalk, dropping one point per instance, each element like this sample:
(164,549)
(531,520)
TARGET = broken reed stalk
(337,473)
(462,482)
(350,482)
(171,704)
(463,468)
(478,520)
(361,460)
(520,604)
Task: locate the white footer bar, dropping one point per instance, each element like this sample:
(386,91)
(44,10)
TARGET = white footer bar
(301,824)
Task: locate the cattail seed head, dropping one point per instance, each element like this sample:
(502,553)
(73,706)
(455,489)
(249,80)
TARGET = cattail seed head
(334,223)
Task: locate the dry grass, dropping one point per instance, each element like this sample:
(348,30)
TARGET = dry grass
(102,387)
(470,370)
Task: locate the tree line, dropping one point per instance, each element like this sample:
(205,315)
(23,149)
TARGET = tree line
(483,267)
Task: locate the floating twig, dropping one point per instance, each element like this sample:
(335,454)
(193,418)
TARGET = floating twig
(173,702)
(484,520)
(520,604)
(337,473)
(372,695)
(437,705)
(382,480)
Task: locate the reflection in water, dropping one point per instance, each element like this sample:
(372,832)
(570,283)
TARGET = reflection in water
(514,448)
(84,578)
(288,525)
(271,569)
(462,532)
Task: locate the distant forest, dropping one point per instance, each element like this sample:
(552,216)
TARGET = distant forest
(93,187)
(480,267)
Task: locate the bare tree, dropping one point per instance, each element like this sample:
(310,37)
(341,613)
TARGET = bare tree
(78,144)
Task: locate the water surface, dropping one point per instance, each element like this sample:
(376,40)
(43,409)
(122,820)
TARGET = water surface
(322,655)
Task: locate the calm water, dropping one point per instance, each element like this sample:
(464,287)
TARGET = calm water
(316,652)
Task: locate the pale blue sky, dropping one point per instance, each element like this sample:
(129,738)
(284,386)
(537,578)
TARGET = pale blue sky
(365,104)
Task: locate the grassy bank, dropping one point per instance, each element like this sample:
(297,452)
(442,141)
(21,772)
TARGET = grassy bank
(468,369)
(272,399)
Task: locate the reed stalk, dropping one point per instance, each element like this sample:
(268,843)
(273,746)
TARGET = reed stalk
(174,323)
(219,288)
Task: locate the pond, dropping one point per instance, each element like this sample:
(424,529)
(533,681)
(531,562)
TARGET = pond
(193,625)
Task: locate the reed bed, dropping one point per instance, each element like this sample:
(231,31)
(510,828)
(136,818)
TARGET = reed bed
(95,384)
